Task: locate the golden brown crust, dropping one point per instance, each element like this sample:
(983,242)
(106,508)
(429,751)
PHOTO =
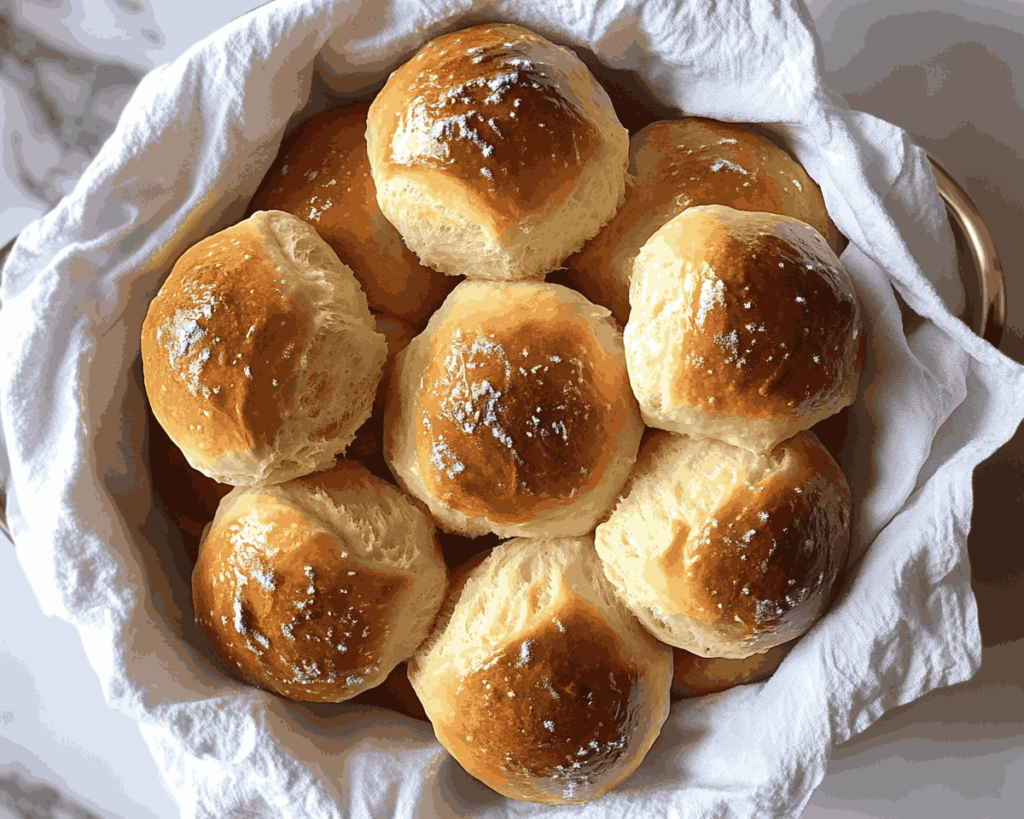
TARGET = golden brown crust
(796,364)
(739,314)
(259,352)
(556,708)
(322,176)
(218,338)
(726,553)
(514,407)
(721,163)
(296,624)
(476,115)
(536,678)
(313,588)
(679,164)
(774,545)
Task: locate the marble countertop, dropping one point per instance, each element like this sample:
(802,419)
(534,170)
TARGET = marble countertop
(951,73)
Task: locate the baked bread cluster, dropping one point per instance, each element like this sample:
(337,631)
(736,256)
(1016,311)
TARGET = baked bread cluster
(474,309)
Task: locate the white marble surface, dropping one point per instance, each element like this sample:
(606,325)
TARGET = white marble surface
(950,72)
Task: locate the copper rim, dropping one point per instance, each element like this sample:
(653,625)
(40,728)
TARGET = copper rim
(988,316)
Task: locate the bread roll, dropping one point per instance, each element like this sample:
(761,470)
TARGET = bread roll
(322,176)
(744,327)
(316,588)
(512,412)
(536,679)
(260,356)
(679,164)
(695,676)
(725,553)
(496,153)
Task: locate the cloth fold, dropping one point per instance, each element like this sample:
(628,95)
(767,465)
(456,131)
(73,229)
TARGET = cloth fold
(188,152)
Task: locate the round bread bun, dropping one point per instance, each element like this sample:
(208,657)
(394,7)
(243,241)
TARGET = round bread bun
(322,176)
(496,153)
(537,679)
(724,552)
(679,164)
(512,412)
(368,445)
(744,327)
(260,356)
(695,676)
(316,588)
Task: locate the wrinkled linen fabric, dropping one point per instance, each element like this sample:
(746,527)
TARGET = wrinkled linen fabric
(188,152)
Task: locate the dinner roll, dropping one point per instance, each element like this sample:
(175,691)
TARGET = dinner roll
(695,676)
(537,679)
(724,552)
(496,153)
(679,164)
(744,327)
(512,412)
(316,588)
(322,175)
(260,356)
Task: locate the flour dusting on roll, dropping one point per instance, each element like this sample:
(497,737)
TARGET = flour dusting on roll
(260,355)
(724,552)
(744,327)
(537,679)
(512,412)
(496,153)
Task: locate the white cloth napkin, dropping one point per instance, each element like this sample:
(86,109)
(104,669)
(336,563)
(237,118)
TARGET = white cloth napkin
(187,154)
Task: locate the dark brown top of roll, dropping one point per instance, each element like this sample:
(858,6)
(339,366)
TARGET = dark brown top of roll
(561,704)
(512,414)
(308,623)
(489,115)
